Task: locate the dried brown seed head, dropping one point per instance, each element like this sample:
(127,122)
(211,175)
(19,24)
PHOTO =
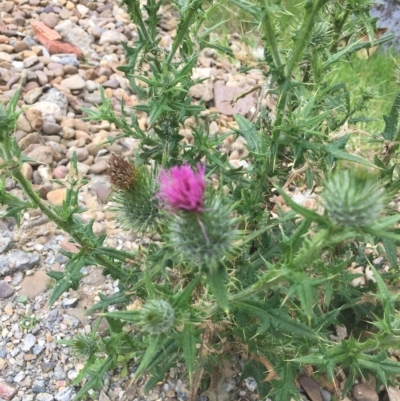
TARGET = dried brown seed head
(120,172)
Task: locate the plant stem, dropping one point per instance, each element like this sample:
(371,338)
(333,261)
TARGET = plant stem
(83,242)
(183,30)
(270,37)
(298,51)
(315,65)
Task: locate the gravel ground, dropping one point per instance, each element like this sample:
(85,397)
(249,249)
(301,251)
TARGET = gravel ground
(41,43)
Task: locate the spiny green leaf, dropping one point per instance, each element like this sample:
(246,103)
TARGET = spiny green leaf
(96,379)
(128,315)
(106,301)
(216,280)
(248,131)
(341,155)
(182,298)
(276,319)
(144,362)
(391,251)
(189,338)
(391,128)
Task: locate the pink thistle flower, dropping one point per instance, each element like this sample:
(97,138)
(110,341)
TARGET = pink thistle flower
(182,188)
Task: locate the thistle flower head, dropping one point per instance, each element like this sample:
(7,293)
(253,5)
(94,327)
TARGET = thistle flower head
(183,189)
(158,316)
(120,172)
(354,198)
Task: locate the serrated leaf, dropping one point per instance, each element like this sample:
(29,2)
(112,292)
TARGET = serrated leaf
(182,299)
(392,120)
(391,251)
(216,280)
(15,206)
(158,376)
(285,389)
(168,348)
(249,132)
(105,301)
(123,256)
(71,276)
(380,366)
(276,319)
(128,315)
(96,379)
(189,338)
(256,370)
(342,155)
(153,344)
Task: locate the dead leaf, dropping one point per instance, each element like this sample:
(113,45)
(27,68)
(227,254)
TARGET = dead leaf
(393,393)
(311,387)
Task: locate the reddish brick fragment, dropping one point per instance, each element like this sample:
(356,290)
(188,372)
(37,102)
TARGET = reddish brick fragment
(58,47)
(7,391)
(42,29)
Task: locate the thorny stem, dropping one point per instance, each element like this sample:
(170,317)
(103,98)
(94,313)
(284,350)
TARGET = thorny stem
(270,37)
(84,243)
(183,30)
(301,44)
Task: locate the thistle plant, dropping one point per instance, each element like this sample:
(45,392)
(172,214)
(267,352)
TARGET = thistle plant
(273,280)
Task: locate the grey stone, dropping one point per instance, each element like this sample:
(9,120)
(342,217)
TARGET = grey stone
(73,33)
(17,278)
(65,395)
(69,302)
(69,60)
(103,396)
(6,290)
(75,82)
(59,373)
(94,98)
(29,342)
(56,97)
(326,395)
(6,244)
(37,349)
(112,37)
(30,61)
(52,315)
(44,397)
(16,261)
(388,12)
(51,128)
(250,383)
(20,376)
(32,95)
(47,366)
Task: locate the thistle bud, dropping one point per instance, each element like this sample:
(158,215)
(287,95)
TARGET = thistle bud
(157,316)
(134,195)
(354,198)
(205,239)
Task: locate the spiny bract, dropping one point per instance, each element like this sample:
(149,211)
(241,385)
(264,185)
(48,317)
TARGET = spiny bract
(354,198)
(158,316)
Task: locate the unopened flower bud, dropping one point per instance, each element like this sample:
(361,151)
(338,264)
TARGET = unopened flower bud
(158,316)
(354,198)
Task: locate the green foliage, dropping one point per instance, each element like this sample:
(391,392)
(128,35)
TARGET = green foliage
(271,282)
